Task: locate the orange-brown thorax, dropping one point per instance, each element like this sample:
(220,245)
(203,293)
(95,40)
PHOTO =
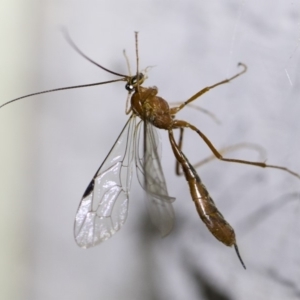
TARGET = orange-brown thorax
(152,108)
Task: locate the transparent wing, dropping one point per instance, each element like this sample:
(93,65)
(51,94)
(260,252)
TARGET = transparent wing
(151,178)
(104,205)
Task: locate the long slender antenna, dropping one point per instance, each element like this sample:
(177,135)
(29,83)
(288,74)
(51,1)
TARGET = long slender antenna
(61,89)
(136,34)
(127,63)
(73,45)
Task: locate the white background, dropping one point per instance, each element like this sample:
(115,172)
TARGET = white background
(51,145)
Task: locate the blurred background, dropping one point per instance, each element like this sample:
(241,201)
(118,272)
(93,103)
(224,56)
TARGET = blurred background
(51,146)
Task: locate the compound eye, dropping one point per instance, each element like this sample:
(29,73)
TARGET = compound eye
(141,78)
(133,82)
(129,87)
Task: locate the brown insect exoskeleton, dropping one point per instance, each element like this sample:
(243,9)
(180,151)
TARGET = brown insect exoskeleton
(104,206)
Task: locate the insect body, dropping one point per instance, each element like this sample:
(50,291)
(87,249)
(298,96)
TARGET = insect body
(155,110)
(104,205)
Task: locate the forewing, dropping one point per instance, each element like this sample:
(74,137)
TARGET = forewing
(104,205)
(151,178)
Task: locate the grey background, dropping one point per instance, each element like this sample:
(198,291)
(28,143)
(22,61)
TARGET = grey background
(51,145)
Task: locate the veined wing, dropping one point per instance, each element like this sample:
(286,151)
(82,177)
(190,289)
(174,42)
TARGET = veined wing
(104,205)
(151,178)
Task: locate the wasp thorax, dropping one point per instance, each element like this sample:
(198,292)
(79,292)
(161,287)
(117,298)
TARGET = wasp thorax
(148,106)
(134,81)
